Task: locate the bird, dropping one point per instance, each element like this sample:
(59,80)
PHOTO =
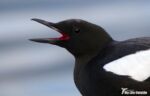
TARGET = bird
(103,65)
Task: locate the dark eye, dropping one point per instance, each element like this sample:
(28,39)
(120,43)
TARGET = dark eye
(77,30)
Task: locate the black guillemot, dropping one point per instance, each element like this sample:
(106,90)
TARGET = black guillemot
(103,66)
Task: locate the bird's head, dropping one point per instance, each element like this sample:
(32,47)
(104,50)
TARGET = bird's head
(78,36)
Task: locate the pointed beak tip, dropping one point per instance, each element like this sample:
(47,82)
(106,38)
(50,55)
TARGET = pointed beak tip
(40,40)
(34,19)
(31,39)
(42,22)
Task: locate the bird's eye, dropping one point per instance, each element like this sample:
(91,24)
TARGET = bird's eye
(77,30)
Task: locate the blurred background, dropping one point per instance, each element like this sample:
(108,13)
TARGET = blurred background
(34,69)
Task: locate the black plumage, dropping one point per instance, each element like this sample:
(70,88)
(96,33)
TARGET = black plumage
(92,48)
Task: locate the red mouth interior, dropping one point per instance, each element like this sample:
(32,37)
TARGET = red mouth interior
(63,37)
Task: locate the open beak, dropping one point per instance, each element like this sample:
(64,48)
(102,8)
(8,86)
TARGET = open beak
(50,40)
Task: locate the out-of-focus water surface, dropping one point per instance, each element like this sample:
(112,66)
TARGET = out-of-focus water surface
(34,69)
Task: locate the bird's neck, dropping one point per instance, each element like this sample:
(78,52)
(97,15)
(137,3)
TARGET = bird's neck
(80,66)
(82,60)
(93,48)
